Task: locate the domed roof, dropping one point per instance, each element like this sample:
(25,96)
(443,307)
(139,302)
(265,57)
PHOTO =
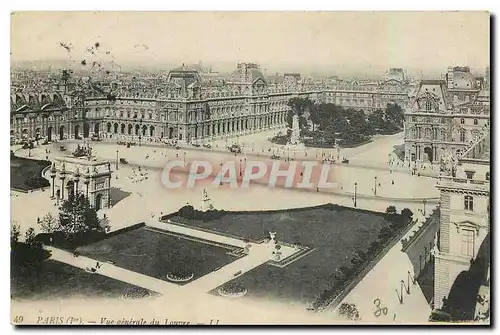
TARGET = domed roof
(395,74)
(247,73)
(463,79)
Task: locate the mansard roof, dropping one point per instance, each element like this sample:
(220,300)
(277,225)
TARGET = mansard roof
(20,101)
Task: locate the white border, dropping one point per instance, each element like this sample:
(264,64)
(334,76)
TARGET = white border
(147,5)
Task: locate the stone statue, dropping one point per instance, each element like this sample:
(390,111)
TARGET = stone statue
(206,202)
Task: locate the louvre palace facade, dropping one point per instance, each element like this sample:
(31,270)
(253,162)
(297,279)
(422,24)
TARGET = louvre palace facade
(445,116)
(184,105)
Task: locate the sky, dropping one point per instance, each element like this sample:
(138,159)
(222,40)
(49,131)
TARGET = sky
(430,41)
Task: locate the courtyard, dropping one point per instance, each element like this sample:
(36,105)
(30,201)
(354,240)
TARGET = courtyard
(55,280)
(157,254)
(334,233)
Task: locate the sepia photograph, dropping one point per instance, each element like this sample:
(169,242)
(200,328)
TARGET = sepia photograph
(210,168)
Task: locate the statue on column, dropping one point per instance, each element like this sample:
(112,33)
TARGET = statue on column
(448,163)
(206,202)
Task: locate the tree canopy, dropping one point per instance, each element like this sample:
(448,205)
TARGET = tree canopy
(76,216)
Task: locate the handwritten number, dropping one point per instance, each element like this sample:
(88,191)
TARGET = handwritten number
(18,319)
(378,312)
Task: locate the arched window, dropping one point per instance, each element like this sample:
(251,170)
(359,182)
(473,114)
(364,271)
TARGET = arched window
(443,135)
(462,135)
(468,203)
(428,133)
(462,121)
(475,122)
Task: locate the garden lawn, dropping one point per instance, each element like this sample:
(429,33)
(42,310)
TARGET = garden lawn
(54,280)
(334,232)
(22,170)
(155,254)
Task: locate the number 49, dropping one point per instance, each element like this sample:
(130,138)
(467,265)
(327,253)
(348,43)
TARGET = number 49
(18,319)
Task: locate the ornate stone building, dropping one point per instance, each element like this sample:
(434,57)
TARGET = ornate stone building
(372,95)
(445,115)
(464,225)
(69,176)
(183,105)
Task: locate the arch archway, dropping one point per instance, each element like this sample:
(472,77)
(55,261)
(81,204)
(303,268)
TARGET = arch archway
(130,127)
(152,131)
(170,132)
(98,202)
(108,127)
(49,134)
(37,134)
(428,152)
(96,128)
(115,128)
(122,128)
(70,186)
(76,131)
(137,129)
(144,130)
(61,133)
(86,130)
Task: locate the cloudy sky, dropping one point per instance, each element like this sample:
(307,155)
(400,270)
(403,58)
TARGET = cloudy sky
(277,40)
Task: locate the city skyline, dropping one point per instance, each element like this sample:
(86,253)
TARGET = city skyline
(296,40)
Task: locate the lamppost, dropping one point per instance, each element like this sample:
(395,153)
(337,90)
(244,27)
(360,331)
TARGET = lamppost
(355,194)
(375,188)
(184,159)
(117,159)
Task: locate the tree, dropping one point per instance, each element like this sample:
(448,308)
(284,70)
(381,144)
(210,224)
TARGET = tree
(15,232)
(76,216)
(391,210)
(49,223)
(407,214)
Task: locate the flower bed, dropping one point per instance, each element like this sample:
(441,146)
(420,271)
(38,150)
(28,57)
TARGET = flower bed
(232,290)
(136,293)
(178,277)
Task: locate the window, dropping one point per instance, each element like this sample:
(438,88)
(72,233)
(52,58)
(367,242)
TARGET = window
(462,121)
(428,105)
(443,135)
(468,242)
(462,135)
(468,203)
(443,120)
(413,133)
(475,122)
(469,174)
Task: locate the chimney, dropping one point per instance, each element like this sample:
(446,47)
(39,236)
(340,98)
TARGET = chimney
(449,77)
